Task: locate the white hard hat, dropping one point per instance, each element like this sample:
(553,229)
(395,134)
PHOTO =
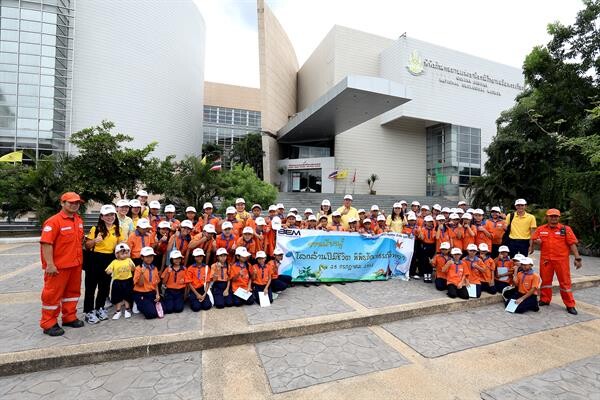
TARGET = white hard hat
(454,216)
(397,205)
(483,247)
(121,247)
(123,203)
(351,220)
(496,209)
(446,210)
(462,203)
(147,251)
(503,249)
(170,208)
(472,246)
(440,217)
(366,220)
(445,245)
(142,193)
(361,210)
(326,203)
(518,257)
(293,210)
(210,228)
(248,229)
(155,204)
(425,207)
(190,209)
(200,252)
(164,224)
(456,250)
(437,207)
(411,217)
(467,216)
(348,197)
(227,225)
(230,210)
(134,203)
(108,209)
(374,207)
(478,211)
(187,224)
(291,214)
(143,223)
(221,251)
(276,223)
(527,261)
(428,218)
(403,202)
(312,217)
(260,221)
(176,254)
(261,254)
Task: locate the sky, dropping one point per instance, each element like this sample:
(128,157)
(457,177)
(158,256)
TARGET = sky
(503,31)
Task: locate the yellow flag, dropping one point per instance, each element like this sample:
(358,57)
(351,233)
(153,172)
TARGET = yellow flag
(15,156)
(342,174)
(203,161)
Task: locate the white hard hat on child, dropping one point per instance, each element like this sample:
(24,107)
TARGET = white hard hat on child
(260,221)
(170,208)
(526,261)
(248,229)
(242,252)
(381,217)
(483,247)
(472,246)
(230,210)
(445,245)
(187,224)
(227,225)
(143,223)
(278,252)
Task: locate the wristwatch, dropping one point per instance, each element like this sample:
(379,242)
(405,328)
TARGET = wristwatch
(577,258)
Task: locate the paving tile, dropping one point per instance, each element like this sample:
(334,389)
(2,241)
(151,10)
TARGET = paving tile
(11,262)
(590,295)
(310,360)
(127,379)
(440,334)
(297,302)
(30,280)
(579,380)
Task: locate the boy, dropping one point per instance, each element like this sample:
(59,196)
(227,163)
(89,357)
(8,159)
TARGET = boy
(278,283)
(122,285)
(261,277)
(438,263)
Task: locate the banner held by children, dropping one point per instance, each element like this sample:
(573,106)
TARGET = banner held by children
(316,256)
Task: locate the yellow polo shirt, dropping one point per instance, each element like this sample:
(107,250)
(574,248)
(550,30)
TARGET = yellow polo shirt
(395,225)
(121,269)
(352,212)
(521,226)
(108,243)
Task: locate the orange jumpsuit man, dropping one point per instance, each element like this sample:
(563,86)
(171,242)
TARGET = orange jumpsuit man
(62,259)
(556,242)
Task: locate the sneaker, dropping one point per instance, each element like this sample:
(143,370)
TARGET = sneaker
(74,324)
(572,310)
(117,315)
(416,276)
(102,314)
(91,318)
(107,304)
(134,309)
(275,295)
(127,314)
(56,330)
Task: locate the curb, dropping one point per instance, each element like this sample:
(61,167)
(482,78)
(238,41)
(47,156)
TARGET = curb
(19,240)
(92,353)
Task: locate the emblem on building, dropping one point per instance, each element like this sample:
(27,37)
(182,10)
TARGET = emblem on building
(415,64)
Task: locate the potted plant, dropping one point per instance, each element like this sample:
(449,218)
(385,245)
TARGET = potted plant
(371,182)
(281,171)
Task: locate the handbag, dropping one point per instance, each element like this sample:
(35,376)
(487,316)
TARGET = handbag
(88,255)
(506,236)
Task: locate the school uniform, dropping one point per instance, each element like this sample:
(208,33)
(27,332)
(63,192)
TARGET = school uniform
(122,280)
(454,275)
(175,280)
(199,276)
(144,294)
(468,238)
(136,242)
(239,275)
(413,230)
(487,281)
(220,278)
(525,281)
(507,280)
(426,249)
(454,233)
(476,275)
(229,244)
(261,275)
(440,276)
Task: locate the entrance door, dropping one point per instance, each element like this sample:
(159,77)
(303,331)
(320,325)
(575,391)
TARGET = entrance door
(306,180)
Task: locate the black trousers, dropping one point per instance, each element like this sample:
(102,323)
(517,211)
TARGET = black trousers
(427,252)
(529,304)
(96,278)
(414,262)
(454,292)
(518,246)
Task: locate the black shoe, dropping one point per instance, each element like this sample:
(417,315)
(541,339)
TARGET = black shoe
(56,330)
(543,303)
(572,310)
(74,324)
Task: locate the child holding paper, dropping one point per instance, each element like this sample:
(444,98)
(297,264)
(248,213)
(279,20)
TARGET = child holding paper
(476,267)
(504,269)
(199,278)
(527,285)
(239,276)
(221,284)
(278,282)
(261,277)
(457,274)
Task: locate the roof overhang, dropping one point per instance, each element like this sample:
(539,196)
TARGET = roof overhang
(354,100)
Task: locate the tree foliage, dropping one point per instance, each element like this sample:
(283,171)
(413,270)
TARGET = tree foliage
(248,151)
(242,181)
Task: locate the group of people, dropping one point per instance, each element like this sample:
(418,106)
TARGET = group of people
(157,263)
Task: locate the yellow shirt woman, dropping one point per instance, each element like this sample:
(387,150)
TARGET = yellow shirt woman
(395,225)
(109,242)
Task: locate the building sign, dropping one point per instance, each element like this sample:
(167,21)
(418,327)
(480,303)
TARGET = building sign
(306,164)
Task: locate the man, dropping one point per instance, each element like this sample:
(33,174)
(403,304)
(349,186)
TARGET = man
(556,241)
(522,226)
(347,211)
(240,208)
(62,259)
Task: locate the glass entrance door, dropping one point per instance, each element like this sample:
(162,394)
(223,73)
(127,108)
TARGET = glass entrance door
(305,180)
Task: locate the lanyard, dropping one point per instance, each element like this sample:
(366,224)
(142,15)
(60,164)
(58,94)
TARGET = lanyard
(456,265)
(530,272)
(428,232)
(227,240)
(242,268)
(177,271)
(198,270)
(142,237)
(224,267)
(262,270)
(150,269)
(472,261)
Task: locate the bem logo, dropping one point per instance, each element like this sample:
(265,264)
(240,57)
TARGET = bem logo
(415,64)
(289,232)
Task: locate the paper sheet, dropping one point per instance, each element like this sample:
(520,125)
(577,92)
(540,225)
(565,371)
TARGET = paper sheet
(511,306)
(264,299)
(472,289)
(242,293)
(502,270)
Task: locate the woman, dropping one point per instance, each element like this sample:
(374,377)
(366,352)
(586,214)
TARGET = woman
(125,222)
(135,211)
(325,210)
(396,220)
(101,242)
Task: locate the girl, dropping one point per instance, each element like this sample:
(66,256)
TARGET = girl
(412,229)
(426,248)
(278,282)
(456,231)
(142,198)
(154,217)
(170,217)
(528,284)
(227,240)
(487,281)
(323,222)
(180,240)
(438,263)
(292,221)
(260,234)
(145,285)
(162,242)
(367,227)
(206,241)
(443,232)
(457,274)
(382,227)
(121,270)
(239,276)
(174,278)
(191,215)
(139,239)
(221,283)
(468,232)
(101,243)
(477,268)
(247,241)
(125,223)
(504,269)
(261,277)
(396,220)
(200,279)
(135,209)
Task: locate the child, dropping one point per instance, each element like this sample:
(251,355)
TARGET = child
(323,222)
(239,276)
(139,239)
(173,277)
(487,280)
(426,248)
(352,225)
(504,269)
(261,277)
(457,274)
(122,285)
(199,277)
(227,240)
(180,240)
(477,268)
(145,284)
(247,240)
(438,263)
(221,283)
(468,231)
(527,286)
(162,242)
(412,229)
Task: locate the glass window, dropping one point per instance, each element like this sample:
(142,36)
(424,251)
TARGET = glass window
(8,111)
(26,59)
(31,14)
(8,99)
(29,78)
(12,36)
(26,112)
(27,48)
(7,122)
(29,90)
(23,123)
(8,88)
(10,77)
(45,125)
(11,47)
(7,23)
(31,26)
(9,12)
(28,101)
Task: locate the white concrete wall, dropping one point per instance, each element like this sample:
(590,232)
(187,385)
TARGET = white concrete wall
(141,65)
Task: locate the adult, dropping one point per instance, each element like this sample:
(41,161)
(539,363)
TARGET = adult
(521,225)
(556,242)
(101,243)
(240,207)
(396,219)
(62,259)
(325,210)
(125,222)
(142,197)
(347,211)
(463,206)
(135,211)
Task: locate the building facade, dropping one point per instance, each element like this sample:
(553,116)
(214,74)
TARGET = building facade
(69,64)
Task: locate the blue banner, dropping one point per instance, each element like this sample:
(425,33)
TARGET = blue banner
(318,256)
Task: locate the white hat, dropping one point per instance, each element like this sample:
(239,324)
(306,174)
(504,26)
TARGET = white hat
(336,214)
(142,193)
(459,211)
(425,207)
(312,217)
(483,247)
(187,224)
(440,217)
(240,200)
(241,251)
(323,216)
(428,218)
(308,211)
(121,247)
(518,257)
(519,202)
(397,205)
(170,208)
(164,224)
(437,207)
(361,210)
(294,210)
(374,207)
(261,254)
(280,205)
(298,217)
(147,251)
(381,217)
(207,205)
(260,221)
(415,203)
(403,202)
(411,217)
(135,203)
(527,261)
(348,197)
(123,203)
(478,211)
(462,203)
(190,209)
(227,225)
(155,204)
(467,216)
(210,228)
(221,251)
(143,223)
(248,229)
(456,250)
(291,214)
(366,220)
(276,223)
(278,252)
(503,248)
(470,210)
(454,216)
(272,207)
(496,209)
(446,210)
(255,206)
(472,246)
(200,252)
(351,220)
(108,209)
(176,254)
(445,245)
(230,210)
(326,203)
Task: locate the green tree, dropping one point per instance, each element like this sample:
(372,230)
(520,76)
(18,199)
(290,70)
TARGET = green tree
(242,181)
(248,151)
(212,151)
(13,203)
